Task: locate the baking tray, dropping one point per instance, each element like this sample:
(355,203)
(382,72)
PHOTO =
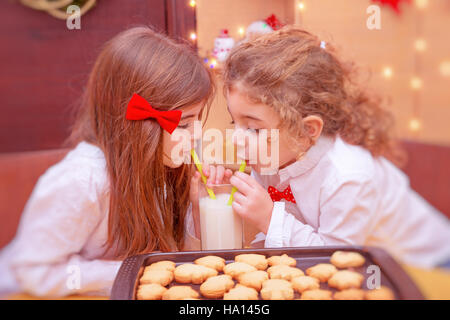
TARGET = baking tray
(392,275)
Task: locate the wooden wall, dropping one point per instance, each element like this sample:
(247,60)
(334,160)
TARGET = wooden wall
(44,66)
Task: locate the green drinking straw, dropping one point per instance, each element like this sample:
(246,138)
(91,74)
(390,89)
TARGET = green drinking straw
(200,169)
(234,189)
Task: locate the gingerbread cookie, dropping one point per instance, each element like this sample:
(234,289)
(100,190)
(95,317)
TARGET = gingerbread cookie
(345,279)
(347,259)
(321,271)
(193,273)
(156,275)
(164,264)
(241,292)
(253,279)
(235,269)
(215,287)
(316,294)
(304,283)
(213,262)
(180,293)
(283,259)
(259,261)
(277,289)
(382,293)
(349,294)
(285,272)
(152,291)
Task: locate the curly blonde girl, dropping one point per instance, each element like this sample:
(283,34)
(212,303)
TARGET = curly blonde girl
(290,71)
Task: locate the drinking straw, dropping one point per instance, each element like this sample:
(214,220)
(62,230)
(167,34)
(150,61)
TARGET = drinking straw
(200,169)
(234,189)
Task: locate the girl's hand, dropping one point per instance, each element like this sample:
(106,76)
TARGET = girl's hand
(216,174)
(252,202)
(193,197)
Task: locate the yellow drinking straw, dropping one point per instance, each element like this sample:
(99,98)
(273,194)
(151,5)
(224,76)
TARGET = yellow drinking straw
(234,189)
(200,169)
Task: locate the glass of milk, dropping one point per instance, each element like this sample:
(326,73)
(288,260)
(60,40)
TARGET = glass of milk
(220,227)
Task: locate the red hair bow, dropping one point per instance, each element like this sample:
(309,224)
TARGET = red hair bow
(139,109)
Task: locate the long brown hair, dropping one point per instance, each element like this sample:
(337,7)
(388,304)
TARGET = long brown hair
(290,71)
(148,200)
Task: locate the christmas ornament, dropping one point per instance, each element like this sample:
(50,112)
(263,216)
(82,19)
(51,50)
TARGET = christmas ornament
(222,45)
(394,4)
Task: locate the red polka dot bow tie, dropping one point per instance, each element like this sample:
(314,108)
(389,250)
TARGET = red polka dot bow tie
(277,195)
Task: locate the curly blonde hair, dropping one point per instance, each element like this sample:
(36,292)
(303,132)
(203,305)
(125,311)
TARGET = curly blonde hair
(290,71)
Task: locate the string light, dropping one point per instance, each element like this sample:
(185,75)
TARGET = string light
(421,4)
(241,31)
(420,45)
(192,3)
(387,72)
(415,124)
(416,83)
(213,63)
(301,5)
(193,36)
(444,68)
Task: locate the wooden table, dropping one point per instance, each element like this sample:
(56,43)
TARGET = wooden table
(434,284)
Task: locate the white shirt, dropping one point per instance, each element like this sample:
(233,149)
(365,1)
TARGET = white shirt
(58,247)
(344,196)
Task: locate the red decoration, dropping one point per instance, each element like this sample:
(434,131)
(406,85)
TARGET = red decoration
(139,109)
(276,195)
(392,3)
(273,22)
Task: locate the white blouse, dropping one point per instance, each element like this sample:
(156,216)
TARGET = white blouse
(59,242)
(344,196)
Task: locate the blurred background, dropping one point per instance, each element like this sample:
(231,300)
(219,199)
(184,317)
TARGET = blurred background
(45,64)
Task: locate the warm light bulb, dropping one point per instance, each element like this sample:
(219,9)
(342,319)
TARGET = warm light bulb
(387,72)
(301,6)
(415,124)
(213,63)
(192,3)
(421,4)
(193,36)
(416,83)
(444,68)
(420,45)
(241,31)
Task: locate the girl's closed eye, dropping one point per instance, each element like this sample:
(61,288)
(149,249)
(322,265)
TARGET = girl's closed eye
(185,125)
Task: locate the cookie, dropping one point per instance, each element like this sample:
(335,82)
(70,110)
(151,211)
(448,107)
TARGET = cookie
(304,283)
(345,279)
(193,273)
(382,293)
(235,269)
(349,294)
(241,292)
(213,262)
(347,259)
(163,264)
(321,271)
(180,293)
(152,291)
(259,261)
(316,294)
(277,289)
(283,259)
(215,287)
(156,275)
(285,272)
(253,279)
